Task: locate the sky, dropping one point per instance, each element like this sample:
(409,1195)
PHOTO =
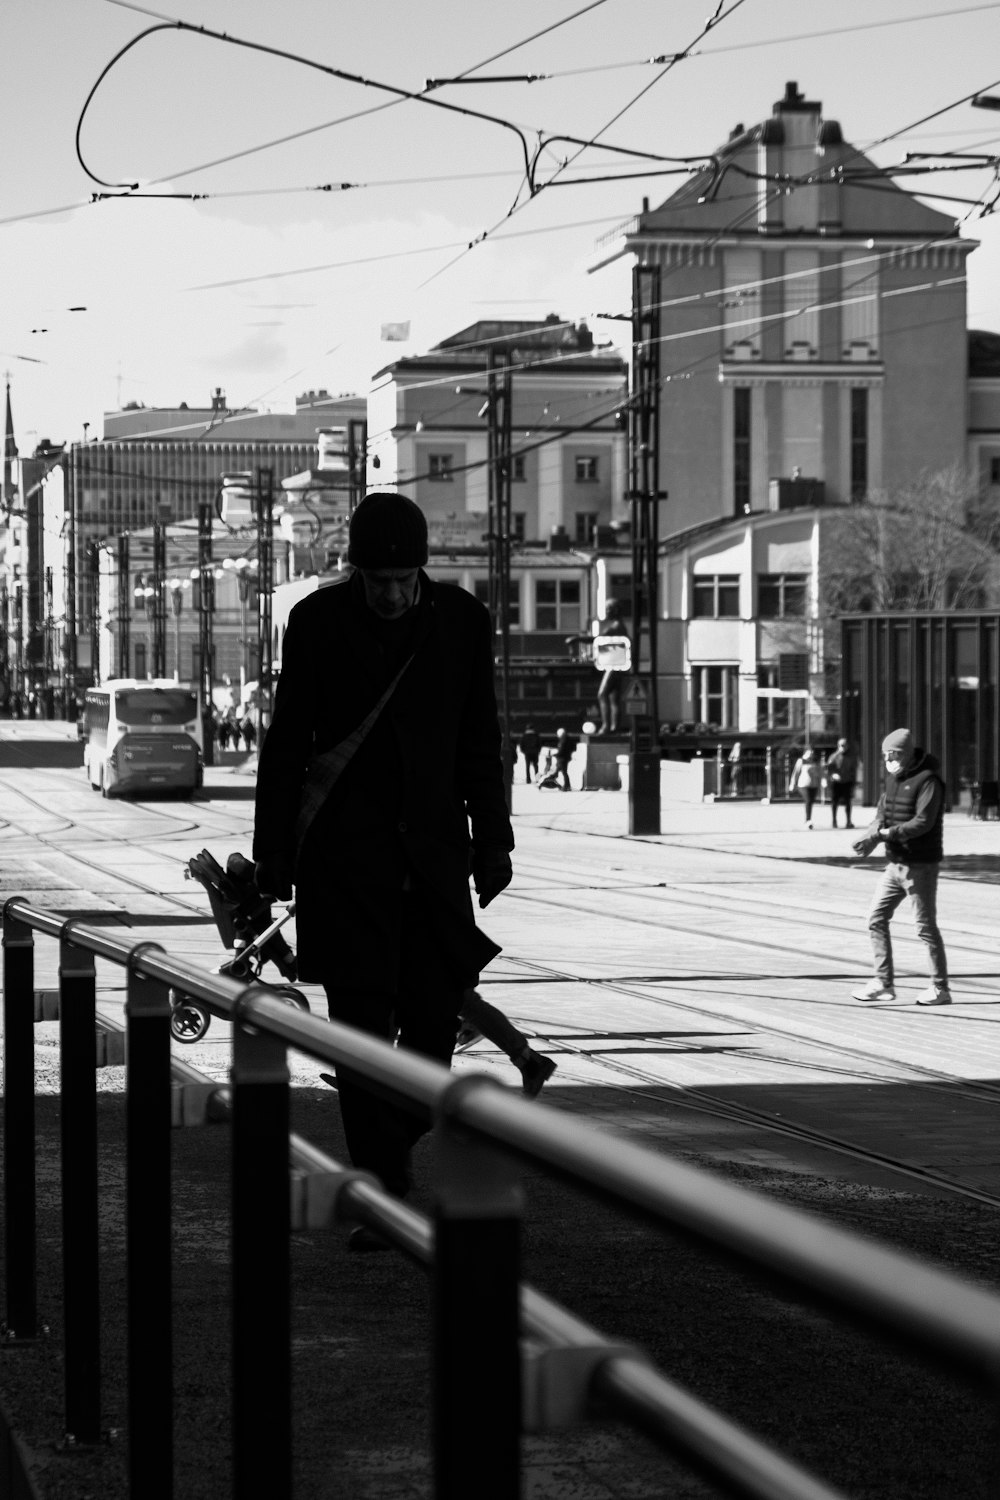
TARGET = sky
(276,279)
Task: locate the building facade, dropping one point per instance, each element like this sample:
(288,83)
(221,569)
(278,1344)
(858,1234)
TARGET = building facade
(812,350)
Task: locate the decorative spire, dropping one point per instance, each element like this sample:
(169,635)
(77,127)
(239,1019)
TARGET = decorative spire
(9,454)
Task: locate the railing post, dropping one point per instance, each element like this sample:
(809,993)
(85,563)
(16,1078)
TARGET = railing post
(262,1402)
(147,1235)
(81,1301)
(477,1234)
(21,1324)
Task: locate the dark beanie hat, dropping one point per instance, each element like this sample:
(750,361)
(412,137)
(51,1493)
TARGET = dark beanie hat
(387,531)
(900,740)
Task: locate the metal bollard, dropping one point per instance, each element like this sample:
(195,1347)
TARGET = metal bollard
(262,1403)
(477,1235)
(148,1108)
(81,1292)
(20,1231)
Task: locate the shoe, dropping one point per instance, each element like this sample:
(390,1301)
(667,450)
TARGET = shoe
(808,825)
(875,990)
(935,996)
(364,1241)
(330,1079)
(535,1071)
(848,825)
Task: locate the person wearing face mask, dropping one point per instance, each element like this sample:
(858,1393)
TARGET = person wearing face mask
(909,820)
(379,790)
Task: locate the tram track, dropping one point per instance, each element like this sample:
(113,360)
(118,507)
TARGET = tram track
(832,1057)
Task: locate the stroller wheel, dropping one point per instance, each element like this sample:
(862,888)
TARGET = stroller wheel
(188,1022)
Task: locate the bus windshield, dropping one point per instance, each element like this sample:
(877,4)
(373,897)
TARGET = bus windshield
(139,706)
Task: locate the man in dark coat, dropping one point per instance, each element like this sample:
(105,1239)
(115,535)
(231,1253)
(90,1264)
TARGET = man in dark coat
(384,916)
(842,773)
(909,821)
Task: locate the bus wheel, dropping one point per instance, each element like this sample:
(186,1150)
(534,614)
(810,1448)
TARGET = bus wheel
(188,1022)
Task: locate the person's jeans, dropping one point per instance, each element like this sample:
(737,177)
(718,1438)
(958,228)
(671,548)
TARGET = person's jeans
(919,882)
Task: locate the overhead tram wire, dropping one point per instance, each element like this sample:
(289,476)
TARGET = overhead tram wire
(771,41)
(171,21)
(544,143)
(308,62)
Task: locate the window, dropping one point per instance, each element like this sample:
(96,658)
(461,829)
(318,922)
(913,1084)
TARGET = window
(714,693)
(517,473)
(586,527)
(586,468)
(741,449)
(716,596)
(859,443)
(781,595)
(557,604)
(995,471)
(518,519)
(481,589)
(774,709)
(439,467)
(140,658)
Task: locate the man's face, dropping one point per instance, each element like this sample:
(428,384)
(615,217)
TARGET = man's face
(895,763)
(390,592)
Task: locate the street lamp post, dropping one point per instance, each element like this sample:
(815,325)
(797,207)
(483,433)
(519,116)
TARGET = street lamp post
(177,587)
(206,606)
(243,567)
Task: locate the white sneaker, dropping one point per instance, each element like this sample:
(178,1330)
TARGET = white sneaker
(875,990)
(935,996)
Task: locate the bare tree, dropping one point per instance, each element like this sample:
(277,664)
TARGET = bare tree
(934,544)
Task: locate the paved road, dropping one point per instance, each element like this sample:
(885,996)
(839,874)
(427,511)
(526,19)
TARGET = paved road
(717,958)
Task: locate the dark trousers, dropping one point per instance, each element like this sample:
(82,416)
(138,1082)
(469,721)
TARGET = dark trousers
(919,883)
(842,795)
(422,1015)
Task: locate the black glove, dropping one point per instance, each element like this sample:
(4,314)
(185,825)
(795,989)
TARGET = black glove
(273,874)
(492,873)
(864,846)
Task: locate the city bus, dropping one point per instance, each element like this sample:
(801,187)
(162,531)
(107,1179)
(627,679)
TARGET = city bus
(142,736)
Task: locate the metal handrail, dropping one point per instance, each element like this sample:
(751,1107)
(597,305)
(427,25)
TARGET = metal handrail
(482,1126)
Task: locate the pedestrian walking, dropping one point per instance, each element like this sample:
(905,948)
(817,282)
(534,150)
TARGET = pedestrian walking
(529,746)
(909,820)
(222,732)
(842,773)
(805,780)
(565,748)
(481,1019)
(248,729)
(384,750)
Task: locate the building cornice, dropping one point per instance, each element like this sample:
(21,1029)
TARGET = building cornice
(799,373)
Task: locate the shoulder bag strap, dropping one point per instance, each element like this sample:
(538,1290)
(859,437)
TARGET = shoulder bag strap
(325,770)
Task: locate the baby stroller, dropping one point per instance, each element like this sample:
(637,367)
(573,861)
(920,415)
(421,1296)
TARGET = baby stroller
(243,917)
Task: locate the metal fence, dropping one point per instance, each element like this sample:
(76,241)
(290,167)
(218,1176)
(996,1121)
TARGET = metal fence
(542,1365)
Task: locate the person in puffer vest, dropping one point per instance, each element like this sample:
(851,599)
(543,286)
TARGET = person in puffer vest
(908,820)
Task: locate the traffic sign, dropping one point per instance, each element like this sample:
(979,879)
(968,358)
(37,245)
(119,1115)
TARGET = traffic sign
(636,699)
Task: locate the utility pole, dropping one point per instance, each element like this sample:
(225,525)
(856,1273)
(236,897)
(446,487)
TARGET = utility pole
(265,590)
(94,569)
(645,496)
(357,450)
(498,399)
(124,606)
(159,600)
(206,607)
(76,460)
